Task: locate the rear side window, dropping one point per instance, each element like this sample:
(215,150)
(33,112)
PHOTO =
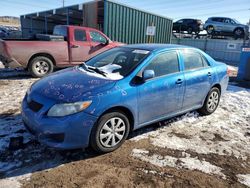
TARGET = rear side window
(193,60)
(165,63)
(80,35)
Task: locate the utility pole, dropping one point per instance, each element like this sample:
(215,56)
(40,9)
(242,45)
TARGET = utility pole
(63,1)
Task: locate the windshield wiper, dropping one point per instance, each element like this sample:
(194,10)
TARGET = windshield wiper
(97,70)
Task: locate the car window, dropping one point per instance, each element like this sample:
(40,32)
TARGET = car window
(226,20)
(97,37)
(217,19)
(80,35)
(164,64)
(180,21)
(193,60)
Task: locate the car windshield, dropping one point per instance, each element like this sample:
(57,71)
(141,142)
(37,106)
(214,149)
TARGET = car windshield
(116,63)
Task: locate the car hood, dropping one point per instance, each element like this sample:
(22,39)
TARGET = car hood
(71,85)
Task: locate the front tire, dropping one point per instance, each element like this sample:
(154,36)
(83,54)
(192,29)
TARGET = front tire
(211,102)
(40,66)
(110,131)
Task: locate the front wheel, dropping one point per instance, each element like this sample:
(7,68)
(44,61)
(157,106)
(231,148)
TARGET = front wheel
(211,102)
(109,132)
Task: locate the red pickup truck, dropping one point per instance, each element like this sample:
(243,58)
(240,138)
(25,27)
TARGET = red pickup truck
(68,46)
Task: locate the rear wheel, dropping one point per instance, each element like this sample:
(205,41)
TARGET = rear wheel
(238,32)
(110,132)
(211,102)
(40,66)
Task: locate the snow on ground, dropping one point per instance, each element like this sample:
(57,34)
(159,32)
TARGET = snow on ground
(244,179)
(184,162)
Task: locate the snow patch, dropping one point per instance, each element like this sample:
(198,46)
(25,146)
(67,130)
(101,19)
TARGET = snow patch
(183,162)
(244,179)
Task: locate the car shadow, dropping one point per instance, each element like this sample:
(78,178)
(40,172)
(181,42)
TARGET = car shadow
(32,156)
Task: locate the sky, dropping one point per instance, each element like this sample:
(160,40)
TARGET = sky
(175,9)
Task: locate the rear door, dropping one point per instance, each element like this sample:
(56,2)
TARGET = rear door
(198,77)
(161,95)
(79,46)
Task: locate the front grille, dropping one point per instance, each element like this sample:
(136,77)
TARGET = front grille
(35,106)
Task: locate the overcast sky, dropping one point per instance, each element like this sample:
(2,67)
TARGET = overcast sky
(176,9)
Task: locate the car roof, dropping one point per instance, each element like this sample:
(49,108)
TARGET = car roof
(156,47)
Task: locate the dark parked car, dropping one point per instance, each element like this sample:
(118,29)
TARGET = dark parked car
(226,27)
(189,25)
(99,102)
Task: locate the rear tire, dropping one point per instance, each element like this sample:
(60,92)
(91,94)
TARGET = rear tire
(238,33)
(211,102)
(40,66)
(110,131)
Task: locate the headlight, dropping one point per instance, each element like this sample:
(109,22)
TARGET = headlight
(59,110)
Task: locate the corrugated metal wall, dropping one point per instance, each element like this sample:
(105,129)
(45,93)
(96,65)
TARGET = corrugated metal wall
(227,51)
(128,25)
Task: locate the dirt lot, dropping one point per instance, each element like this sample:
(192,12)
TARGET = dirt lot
(186,151)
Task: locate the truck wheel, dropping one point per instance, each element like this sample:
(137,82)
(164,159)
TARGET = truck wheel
(40,66)
(211,102)
(109,132)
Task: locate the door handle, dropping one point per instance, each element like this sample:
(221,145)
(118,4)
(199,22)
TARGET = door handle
(75,46)
(179,81)
(209,74)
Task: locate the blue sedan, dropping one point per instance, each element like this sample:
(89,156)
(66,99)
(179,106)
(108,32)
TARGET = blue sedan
(99,102)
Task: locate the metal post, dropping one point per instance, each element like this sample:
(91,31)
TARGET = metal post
(67,16)
(46,24)
(31,25)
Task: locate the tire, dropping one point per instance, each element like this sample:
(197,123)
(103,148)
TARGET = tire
(211,102)
(40,66)
(190,30)
(104,127)
(238,32)
(210,30)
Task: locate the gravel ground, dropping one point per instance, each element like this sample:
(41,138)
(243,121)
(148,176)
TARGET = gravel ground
(186,151)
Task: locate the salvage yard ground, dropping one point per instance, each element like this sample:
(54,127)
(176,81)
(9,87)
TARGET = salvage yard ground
(186,151)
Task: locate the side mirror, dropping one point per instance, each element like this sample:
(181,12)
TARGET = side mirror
(107,42)
(148,74)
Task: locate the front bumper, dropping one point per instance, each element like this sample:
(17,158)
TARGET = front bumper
(69,132)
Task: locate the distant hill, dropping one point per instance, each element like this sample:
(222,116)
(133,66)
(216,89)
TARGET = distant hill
(9,21)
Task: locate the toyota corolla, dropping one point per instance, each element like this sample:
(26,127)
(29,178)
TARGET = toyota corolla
(100,102)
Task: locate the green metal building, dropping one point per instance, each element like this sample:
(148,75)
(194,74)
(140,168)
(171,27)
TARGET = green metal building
(119,22)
